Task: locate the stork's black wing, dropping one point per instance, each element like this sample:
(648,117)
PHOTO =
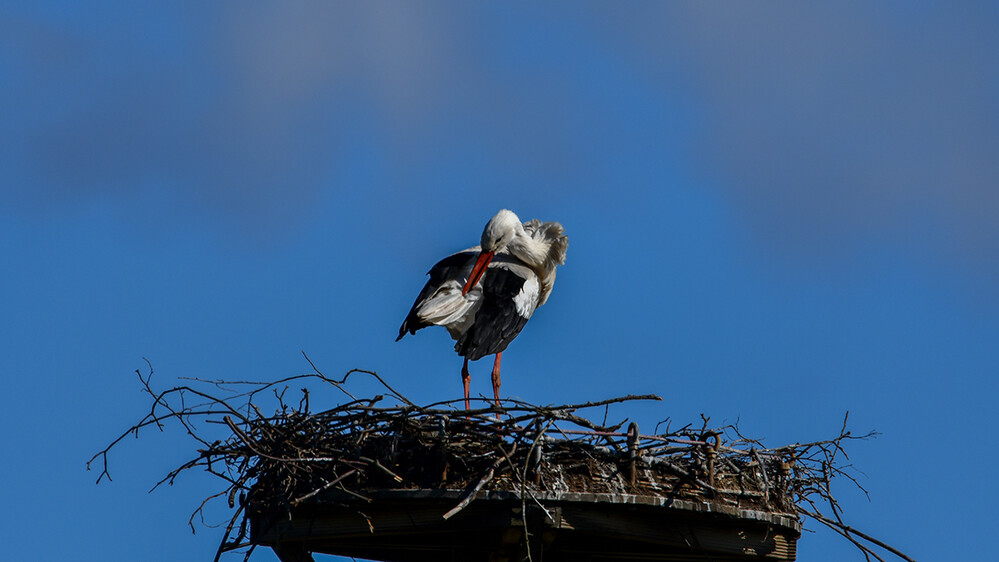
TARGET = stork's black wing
(448,268)
(499,320)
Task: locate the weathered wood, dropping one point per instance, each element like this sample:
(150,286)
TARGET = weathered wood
(407,526)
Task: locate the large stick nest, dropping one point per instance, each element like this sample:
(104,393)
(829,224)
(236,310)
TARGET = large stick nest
(272,462)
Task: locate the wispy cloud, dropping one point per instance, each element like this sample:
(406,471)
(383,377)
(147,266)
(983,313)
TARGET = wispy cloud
(832,124)
(827,125)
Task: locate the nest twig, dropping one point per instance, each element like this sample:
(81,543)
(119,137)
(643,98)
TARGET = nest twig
(273,462)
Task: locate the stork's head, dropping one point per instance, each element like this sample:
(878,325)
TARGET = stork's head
(499,231)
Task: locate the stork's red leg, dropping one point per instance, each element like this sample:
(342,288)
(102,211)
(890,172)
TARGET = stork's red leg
(466,378)
(496,377)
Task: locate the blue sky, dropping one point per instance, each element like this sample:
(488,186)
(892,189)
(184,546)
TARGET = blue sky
(777,213)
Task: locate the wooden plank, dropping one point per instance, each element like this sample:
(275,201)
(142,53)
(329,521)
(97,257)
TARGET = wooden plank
(408,527)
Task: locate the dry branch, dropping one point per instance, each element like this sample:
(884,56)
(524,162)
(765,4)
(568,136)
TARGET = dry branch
(272,463)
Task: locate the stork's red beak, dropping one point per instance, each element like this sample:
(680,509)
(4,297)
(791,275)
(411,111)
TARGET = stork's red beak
(480,267)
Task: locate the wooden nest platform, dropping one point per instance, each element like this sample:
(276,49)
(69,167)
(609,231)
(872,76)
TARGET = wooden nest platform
(403,482)
(426,484)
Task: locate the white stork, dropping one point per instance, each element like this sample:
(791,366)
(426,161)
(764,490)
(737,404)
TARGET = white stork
(485,295)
